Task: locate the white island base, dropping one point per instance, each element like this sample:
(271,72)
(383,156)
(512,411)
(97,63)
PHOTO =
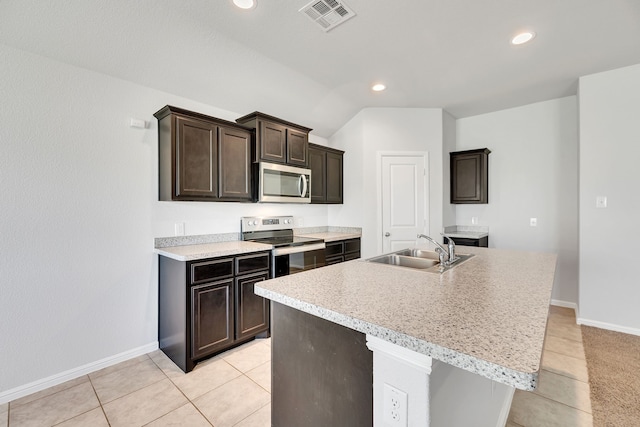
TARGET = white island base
(428,393)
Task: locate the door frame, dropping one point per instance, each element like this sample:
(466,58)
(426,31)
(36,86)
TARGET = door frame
(379,156)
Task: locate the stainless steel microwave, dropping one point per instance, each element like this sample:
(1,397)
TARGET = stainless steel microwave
(283,184)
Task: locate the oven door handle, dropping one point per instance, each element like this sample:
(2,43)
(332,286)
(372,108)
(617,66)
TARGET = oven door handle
(298,249)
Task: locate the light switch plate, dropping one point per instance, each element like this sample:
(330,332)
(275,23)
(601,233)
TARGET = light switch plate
(533,222)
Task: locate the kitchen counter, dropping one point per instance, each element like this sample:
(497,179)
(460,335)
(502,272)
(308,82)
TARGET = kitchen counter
(329,236)
(211,250)
(487,315)
(467,231)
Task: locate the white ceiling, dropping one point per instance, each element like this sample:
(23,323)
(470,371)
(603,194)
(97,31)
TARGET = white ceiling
(451,54)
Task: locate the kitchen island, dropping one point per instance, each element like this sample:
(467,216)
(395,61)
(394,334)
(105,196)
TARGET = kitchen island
(482,320)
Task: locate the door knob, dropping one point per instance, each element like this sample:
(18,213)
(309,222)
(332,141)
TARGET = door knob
(387,234)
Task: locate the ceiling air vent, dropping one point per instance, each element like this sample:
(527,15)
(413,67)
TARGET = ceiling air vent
(328,14)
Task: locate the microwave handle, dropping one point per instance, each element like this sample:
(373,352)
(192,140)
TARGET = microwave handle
(303,179)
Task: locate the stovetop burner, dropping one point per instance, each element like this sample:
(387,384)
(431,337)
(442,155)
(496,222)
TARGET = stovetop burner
(273,230)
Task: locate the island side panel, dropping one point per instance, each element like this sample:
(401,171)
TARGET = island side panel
(322,373)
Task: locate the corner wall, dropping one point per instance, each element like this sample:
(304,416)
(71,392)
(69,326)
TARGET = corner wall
(533,173)
(609,153)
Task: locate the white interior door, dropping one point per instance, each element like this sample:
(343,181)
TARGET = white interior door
(404,199)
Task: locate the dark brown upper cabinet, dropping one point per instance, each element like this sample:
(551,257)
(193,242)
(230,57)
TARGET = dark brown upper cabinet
(202,158)
(470,176)
(277,140)
(326,174)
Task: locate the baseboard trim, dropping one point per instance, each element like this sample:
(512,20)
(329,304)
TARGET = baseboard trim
(24,390)
(567,304)
(609,326)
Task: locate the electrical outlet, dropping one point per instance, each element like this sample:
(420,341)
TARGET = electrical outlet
(474,220)
(178,228)
(601,202)
(395,407)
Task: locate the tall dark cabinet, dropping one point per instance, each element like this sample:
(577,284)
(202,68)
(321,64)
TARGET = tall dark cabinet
(277,140)
(207,306)
(202,158)
(470,176)
(326,166)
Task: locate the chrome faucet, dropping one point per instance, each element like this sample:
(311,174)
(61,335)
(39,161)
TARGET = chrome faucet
(452,249)
(442,252)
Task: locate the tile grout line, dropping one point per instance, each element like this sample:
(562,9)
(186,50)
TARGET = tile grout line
(565,376)
(563,404)
(99,402)
(259,409)
(551,334)
(181,392)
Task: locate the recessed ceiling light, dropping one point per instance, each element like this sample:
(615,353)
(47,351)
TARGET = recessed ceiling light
(379,87)
(245,4)
(523,37)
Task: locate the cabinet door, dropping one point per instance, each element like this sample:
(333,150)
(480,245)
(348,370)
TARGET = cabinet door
(334,178)
(317,164)
(272,141)
(470,176)
(297,146)
(234,164)
(212,315)
(252,311)
(196,159)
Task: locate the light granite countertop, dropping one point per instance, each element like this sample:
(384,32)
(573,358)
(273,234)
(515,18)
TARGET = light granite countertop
(467,231)
(487,315)
(468,234)
(190,248)
(329,236)
(211,250)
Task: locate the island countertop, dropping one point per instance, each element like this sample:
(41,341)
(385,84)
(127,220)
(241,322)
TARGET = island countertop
(487,315)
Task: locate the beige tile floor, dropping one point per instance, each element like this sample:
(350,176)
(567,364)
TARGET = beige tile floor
(234,389)
(562,397)
(231,389)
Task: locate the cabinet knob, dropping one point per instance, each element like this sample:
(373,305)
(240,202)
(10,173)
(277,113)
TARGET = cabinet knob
(387,234)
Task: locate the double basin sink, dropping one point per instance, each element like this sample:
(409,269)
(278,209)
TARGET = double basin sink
(418,259)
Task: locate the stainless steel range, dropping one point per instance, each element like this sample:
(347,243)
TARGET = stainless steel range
(290,254)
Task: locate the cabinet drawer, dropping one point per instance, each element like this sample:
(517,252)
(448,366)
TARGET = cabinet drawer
(352,255)
(215,269)
(334,260)
(352,245)
(334,248)
(252,263)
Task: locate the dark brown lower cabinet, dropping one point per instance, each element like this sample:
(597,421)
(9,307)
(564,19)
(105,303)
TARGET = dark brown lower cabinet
(212,317)
(342,250)
(252,316)
(462,241)
(207,306)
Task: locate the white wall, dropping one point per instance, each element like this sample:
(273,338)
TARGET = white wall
(609,153)
(533,173)
(448,145)
(78,276)
(385,129)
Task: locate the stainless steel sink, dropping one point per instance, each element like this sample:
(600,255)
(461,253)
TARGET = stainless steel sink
(405,261)
(418,259)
